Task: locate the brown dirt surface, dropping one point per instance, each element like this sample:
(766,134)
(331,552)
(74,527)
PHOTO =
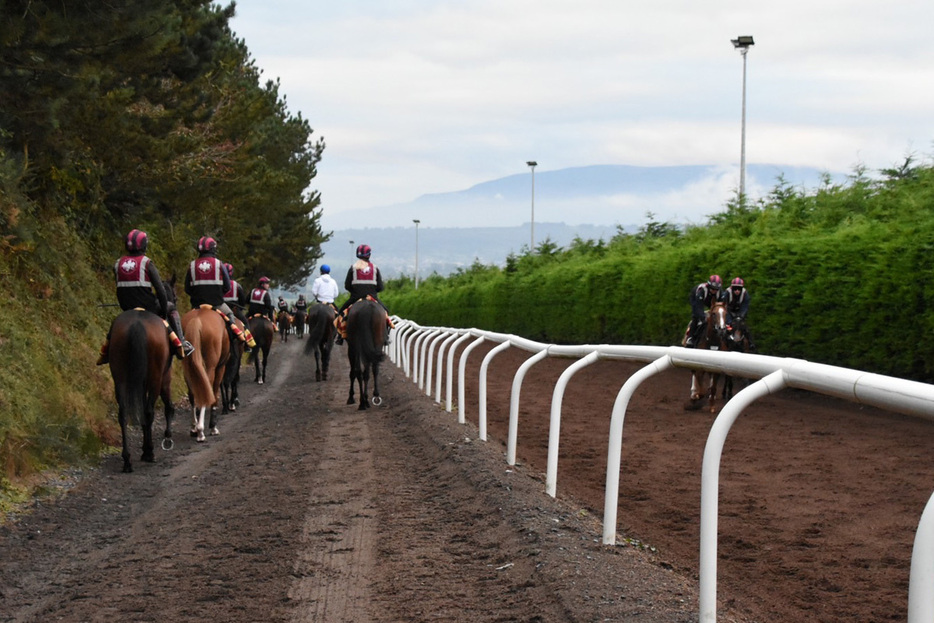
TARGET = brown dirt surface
(306,509)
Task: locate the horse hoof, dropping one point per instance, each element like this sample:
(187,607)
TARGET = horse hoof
(215,432)
(350,401)
(193,432)
(377,401)
(259,381)
(167,443)
(201,438)
(148,458)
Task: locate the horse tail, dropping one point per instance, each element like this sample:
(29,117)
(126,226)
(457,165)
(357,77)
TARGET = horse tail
(369,337)
(317,329)
(137,372)
(198,382)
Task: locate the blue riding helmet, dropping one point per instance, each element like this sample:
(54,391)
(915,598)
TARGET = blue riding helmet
(325,269)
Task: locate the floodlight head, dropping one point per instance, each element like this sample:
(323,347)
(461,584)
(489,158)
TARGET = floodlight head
(532,163)
(743,42)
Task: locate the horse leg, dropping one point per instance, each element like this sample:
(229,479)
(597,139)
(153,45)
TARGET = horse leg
(712,392)
(317,364)
(127,465)
(265,361)
(149,416)
(168,407)
(376,399)
(197,427)
(212,426)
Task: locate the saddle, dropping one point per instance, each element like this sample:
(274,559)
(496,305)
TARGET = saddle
(340,321)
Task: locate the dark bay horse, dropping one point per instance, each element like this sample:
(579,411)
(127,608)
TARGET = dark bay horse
(284,323)
(263,331)
(206,329)
(737,340)
(703,383)
(230,396)
(321,337)
(366,328)
(299,320)
(140,363)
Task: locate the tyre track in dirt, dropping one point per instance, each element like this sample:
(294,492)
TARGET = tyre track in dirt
(305,509)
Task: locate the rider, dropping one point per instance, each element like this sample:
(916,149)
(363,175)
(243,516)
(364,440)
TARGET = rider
(207,280)
(261,301)
(301,305)
(363,280)
(737,298)
(283,305)
(325,289)
(139,285)
(237,300)
(703,296)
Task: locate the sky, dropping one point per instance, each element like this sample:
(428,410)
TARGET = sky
(414,97)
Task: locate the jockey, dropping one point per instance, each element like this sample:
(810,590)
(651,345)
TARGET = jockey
(236,300)
(283,305)
(261,301)
(139,285)
(703,296)
(363,280)
(301,305)
(206,282)
(325,289)
(737,298)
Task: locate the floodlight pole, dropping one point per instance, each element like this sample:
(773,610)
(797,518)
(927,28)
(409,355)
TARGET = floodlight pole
(416,221)
(532,164)
(743,43)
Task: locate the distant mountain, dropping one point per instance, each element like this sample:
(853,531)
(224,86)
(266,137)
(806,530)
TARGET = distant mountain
(595,195)
(489,221)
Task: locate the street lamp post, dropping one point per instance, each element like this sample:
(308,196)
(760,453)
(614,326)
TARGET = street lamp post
(416,221)
(743,43)
(532,164)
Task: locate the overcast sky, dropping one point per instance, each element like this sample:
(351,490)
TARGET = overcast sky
(427,96)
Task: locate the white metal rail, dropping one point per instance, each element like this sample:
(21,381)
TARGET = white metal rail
(414,345)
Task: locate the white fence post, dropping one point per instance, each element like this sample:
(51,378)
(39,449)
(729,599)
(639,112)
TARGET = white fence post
(513,435)
(554,430)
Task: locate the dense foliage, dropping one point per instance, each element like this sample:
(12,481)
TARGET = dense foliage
(127,114)
(840,275)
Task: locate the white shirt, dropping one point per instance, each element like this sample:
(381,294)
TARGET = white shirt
(325,289)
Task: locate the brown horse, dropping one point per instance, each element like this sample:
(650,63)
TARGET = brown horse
(366,328)
(703,383)
(206,329)
(263,331)
(140,363)
(321,337)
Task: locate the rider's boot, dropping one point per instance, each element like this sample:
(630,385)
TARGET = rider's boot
(236,330)
(181,347)
(104,358)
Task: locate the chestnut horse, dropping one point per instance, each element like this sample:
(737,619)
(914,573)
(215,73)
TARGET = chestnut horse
(321,337)
(206,329)
(263,331)
(712,338)
(140,363)
(366,329)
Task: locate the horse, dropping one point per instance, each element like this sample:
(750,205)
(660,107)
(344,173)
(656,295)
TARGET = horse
(263,331)
(366,329)
(140,363)
(712,338)
(321,337)
(284,323)
(230,396)
(737,340)
(204,369)
(299,320)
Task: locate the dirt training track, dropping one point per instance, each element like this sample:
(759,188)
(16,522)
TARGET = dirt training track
(306,509)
